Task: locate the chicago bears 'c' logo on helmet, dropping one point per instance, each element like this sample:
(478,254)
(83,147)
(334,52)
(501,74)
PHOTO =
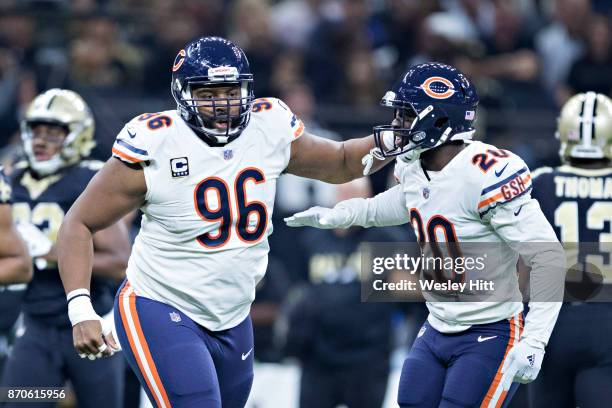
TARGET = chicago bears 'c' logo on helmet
(432,103)
(438,87)
(178,61)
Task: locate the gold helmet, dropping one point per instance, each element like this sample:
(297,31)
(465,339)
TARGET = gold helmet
(64,108)
(584,127)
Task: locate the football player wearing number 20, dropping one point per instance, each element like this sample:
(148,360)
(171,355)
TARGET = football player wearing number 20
(204,176)
(458,190)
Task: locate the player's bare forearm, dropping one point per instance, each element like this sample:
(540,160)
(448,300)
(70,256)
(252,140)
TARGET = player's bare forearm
(15,263)
(112,193)
(110,265)
(354,150)
(14,270)
(75,254)
(330,161)
(111,251)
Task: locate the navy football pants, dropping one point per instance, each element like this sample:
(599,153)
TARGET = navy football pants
(458,370)
(45,357)
(180,363)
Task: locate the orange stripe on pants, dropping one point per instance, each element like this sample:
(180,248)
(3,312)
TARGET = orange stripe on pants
(502,397)
(143,345)
(496,380)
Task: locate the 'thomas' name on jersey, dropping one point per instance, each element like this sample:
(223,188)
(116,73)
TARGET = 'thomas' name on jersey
(578,203)
(203,245)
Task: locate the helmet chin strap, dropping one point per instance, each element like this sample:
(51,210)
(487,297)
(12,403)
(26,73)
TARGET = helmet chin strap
(415,154)
(60,159)
(463,135)
(411,155)
(221,135)
(47,167)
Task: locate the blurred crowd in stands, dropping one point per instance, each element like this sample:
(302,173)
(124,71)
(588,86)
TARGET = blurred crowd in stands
(331,61)
(525,55)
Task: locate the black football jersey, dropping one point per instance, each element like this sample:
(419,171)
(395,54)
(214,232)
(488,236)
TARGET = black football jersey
(578,204)
(44,202)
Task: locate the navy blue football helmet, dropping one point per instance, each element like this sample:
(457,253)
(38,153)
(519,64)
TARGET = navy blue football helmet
(433,104)
(210,62)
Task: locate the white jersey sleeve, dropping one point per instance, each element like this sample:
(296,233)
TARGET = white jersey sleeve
(141,137)
(517,218)
(282,126)
(509,181)
(385,209)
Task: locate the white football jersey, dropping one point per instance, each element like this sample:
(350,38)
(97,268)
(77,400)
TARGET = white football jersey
(203,242)
(481,200)
(453,205)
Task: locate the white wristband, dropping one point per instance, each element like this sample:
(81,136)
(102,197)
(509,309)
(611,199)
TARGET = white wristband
(77,292)
(80,308)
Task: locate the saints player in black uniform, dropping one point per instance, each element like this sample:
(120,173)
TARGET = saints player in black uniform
(15,269)
(57,135)
(577,200)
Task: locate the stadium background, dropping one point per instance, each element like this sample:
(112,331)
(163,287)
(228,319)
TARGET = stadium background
(331,61)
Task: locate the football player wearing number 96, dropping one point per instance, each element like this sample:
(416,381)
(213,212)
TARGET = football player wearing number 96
(577,199)
(204,176)
(461,191)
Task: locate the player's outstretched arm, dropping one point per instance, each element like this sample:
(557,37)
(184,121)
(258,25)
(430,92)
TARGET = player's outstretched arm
(386,209)
(330,161)
(524,228)
(15,263)
(113,192)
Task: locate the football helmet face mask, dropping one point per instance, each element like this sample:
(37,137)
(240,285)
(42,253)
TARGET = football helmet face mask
(584,127)
(433,104)
(64,108)
(209,63)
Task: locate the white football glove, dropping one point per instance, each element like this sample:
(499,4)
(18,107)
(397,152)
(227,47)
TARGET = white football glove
(522,363)
(108,326)
(37,242)
(375,154)
(320,217)
(368,160)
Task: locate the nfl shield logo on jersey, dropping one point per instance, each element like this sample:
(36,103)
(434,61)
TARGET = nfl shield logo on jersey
(175,317)
(228,154)
(426,193)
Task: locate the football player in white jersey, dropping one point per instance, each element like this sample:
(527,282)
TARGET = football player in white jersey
(461,192)
(204,176)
